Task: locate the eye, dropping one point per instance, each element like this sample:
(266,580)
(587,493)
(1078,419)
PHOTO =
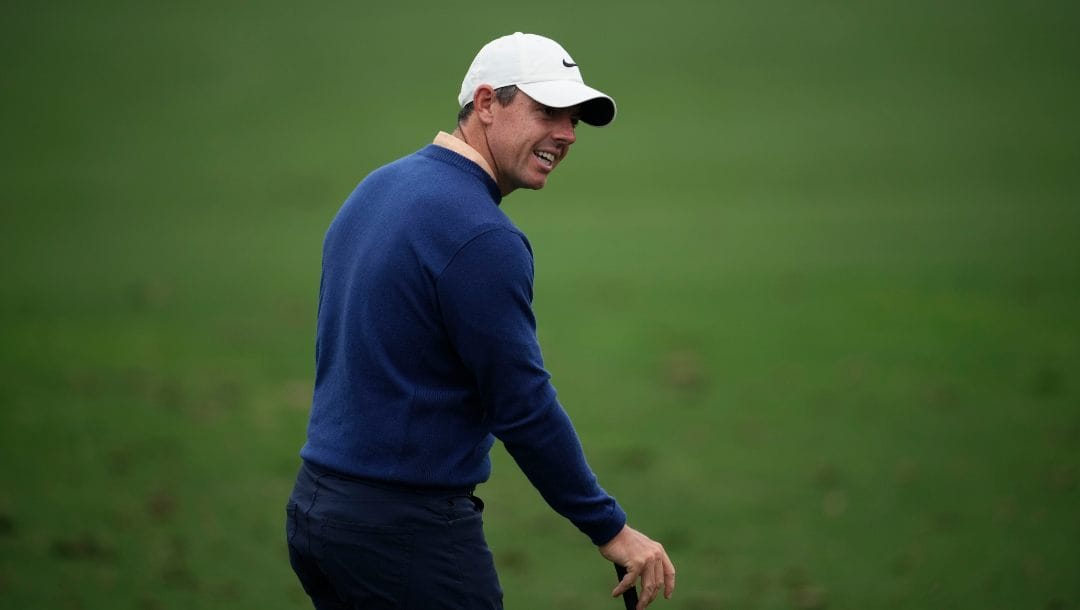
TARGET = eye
(555,113)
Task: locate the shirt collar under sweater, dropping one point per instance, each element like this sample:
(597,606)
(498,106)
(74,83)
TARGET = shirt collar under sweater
(448,141)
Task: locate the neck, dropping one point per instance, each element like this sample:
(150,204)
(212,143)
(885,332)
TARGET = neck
(472,133)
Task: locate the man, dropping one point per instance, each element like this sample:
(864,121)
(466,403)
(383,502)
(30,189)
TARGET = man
(426,351)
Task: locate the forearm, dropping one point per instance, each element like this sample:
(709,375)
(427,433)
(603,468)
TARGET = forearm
(550,454)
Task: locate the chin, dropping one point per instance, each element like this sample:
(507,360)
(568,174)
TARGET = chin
(533,184)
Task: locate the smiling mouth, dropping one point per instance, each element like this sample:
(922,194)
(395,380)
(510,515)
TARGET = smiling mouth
(546,159)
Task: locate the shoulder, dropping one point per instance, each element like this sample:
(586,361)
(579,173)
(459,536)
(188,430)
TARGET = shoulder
(500,238)
(496,260)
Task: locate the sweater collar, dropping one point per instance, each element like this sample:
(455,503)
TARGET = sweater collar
(465,164)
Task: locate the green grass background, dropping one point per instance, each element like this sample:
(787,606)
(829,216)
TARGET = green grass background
(812,301)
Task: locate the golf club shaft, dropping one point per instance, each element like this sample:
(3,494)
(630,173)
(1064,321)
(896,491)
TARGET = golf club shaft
(630,595)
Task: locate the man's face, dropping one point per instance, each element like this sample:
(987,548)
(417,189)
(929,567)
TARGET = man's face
(527,140)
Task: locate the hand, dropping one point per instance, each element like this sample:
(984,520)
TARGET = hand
(643,558)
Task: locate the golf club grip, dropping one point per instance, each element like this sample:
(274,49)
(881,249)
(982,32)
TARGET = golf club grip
(629,596)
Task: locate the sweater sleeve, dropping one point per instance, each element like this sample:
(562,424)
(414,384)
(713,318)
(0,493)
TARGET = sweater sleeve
(485,294)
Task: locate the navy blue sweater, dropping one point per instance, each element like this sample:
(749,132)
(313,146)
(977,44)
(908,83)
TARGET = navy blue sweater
(426,346)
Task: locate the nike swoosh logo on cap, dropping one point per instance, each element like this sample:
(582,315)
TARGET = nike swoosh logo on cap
(568,64)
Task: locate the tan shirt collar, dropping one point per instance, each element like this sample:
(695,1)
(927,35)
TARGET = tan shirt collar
(452,143)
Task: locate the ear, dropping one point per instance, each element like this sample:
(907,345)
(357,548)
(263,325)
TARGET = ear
(483,100)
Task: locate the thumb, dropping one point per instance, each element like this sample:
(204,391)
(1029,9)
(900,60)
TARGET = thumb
(628,578)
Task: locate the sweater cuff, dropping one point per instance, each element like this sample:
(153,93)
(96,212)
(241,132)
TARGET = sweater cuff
(602,532)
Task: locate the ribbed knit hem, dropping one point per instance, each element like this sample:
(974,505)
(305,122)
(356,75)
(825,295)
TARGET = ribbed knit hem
(602,533)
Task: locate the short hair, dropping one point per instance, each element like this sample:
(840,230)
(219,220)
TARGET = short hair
(504,95)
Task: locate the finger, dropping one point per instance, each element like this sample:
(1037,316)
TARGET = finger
(669,577)
(629,597)
(625,584)
(650,585)
(658,580)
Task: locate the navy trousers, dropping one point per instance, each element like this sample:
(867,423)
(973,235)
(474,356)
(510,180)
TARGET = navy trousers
(362,545)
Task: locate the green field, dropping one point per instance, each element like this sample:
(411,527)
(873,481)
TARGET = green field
(812,301)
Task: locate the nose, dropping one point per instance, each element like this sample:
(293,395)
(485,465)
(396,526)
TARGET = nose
(564,131)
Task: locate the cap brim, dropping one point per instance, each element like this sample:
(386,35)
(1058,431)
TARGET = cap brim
(597,109)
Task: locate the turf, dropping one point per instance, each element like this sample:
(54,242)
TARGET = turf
(811,300)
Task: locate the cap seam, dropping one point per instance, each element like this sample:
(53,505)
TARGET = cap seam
(552,80)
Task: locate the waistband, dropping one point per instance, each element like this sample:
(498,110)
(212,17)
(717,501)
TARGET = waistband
(316,471)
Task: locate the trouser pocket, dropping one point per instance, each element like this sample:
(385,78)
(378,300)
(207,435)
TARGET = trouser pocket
(368,565)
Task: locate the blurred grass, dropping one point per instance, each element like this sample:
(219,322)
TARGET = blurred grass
(811,300)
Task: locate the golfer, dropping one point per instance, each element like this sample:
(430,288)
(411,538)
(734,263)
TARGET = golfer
(426,352)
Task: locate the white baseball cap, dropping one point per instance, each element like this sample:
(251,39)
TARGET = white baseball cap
(542,69)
